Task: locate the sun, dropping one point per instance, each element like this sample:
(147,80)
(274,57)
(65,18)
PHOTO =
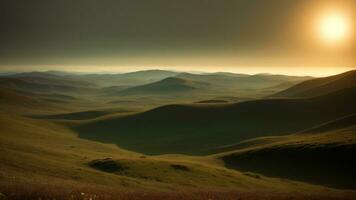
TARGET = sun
(333,28)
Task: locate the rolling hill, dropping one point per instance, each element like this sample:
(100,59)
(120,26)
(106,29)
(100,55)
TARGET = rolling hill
(320,86)
(216,84)
(321,155)
(53,78)
(165,87)
(56,144)
(41,159)
(129,79)
(200,129)
(150,82)
(19,102)
(243,81)
(46,84)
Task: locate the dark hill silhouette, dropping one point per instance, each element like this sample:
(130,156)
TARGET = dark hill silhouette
(320,86)
(324,155)
(84,115)
(198,129)
(212,101)
(340,123)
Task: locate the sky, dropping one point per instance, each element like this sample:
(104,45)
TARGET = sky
(245,36)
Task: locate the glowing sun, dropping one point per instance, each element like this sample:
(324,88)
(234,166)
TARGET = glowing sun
(333,28)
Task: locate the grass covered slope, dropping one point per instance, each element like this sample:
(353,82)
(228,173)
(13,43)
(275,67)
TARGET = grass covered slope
(40,159)
(322,155)
(320,86)
(48,157)
(200,129)
(41,82)
(165,87)
(243,81)
(128,79)
(13,101)
(43,151)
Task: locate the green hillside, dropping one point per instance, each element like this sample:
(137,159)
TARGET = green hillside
(129,79)
(320,86)
(149,83)
(41,159)
(24,103)
(46,85)
(166,86)
(243,81)
(136,152)
(322,155)
(200,129)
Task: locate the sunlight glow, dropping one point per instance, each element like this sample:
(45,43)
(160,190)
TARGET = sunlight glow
(334,28)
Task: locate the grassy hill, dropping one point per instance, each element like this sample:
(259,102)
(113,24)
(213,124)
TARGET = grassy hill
(129,79)
(332,125)
(46,84)
(320,86)
(244,85)
(48,156)
(53,78)
(200,129)
(41,159)
(22,102)
(165,87)
(176,87)
(243,81)
(321,155)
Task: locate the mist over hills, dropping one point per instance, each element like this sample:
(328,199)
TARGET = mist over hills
(150,82)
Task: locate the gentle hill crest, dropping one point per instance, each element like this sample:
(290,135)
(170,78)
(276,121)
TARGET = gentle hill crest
(197,129)
(320,86)
(165,86)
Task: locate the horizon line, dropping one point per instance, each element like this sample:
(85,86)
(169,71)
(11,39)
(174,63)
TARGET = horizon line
(292,71)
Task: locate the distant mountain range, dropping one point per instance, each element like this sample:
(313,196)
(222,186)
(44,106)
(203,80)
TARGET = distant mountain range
(150,82)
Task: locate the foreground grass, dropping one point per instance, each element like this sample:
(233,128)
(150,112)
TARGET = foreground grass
(43,160)
(91,192)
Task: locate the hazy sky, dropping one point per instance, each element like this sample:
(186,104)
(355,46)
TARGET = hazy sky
(277,36)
